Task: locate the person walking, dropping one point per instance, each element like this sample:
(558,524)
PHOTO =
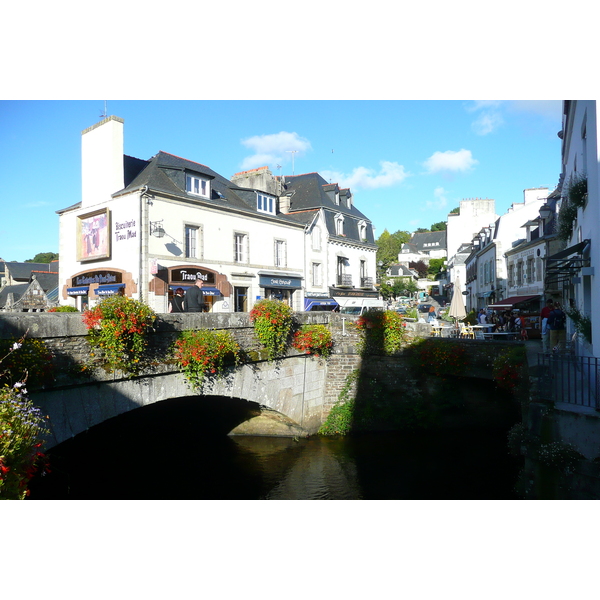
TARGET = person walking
(557,322)
(431,318)
(544,314)
(176,304)
(194,299)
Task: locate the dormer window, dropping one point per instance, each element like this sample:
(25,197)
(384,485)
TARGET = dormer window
(362,230)
(197,185)
(265,204)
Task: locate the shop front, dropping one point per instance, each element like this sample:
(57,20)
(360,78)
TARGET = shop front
(93,285)
(319,302)
(528,308)
(341,296)
(215,287)
(280,287)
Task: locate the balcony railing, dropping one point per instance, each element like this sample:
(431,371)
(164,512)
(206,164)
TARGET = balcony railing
(344,280)
(366,282)
(569,379)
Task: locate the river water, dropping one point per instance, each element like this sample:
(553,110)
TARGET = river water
(167,458)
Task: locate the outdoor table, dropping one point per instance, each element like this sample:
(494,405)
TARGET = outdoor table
(499,334)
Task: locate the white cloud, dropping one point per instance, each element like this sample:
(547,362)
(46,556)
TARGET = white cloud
(274,148)
(462,160)
(390,174)
(440,202)
(487,122)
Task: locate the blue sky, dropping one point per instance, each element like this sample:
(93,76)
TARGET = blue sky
(407,162)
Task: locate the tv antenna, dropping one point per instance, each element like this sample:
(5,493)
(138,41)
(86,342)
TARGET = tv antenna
(293,152)
(104,114)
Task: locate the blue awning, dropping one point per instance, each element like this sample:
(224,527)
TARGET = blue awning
(310,302)
(109,290)
(78,291)
(206,291)
(210,291)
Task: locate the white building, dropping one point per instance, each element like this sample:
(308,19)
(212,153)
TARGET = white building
(474,213)
(573,268)
(150,226)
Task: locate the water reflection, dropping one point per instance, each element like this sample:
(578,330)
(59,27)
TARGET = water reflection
(434,465)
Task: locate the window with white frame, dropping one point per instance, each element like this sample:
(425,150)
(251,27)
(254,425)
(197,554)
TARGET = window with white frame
(316,274)
(265,203)
(280,253)
(339,225)
(240,247)
(192,241)
(316,238)
(196,185)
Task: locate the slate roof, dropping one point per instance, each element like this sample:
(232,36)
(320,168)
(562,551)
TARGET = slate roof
(430,240)
(21,271)
(166,173)
(17,290)
(310,193)
(47,281)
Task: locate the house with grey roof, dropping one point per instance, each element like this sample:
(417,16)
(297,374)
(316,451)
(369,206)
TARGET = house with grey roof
(340,247)
(29,287)
(148,227)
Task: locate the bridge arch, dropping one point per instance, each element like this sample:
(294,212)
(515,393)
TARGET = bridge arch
(283,398)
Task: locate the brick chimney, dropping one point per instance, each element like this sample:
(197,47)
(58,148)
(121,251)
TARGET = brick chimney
(101,161)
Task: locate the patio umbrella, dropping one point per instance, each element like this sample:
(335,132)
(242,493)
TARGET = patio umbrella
(457,305)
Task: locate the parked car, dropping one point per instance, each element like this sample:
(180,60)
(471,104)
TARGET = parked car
(401,310)
(424,307)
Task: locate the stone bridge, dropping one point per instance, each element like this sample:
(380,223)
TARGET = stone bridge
(291,396)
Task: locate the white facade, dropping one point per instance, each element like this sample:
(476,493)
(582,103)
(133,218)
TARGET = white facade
(107,240)
(474,214)
(580,158)
(151,226)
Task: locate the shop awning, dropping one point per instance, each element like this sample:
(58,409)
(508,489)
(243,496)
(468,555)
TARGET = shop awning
(78,291)
(310,302)
(210,291)
(567,263)
(512,301)
(109,290)
(206,291)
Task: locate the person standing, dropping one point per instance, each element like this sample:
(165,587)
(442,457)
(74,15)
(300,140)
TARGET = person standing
(557,322)
(177,301)
(544,314)
(194,299)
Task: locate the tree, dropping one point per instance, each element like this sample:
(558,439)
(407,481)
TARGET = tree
(389,246)
(420,267)
(440,226)
(455,211)
(436,266)
(43,257)
(422,230)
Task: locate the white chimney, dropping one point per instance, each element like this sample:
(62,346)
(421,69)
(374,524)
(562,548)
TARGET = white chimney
(101,161)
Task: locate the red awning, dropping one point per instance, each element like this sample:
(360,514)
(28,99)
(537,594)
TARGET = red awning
(510,302)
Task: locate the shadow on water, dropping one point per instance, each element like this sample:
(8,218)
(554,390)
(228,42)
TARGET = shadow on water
(180,450)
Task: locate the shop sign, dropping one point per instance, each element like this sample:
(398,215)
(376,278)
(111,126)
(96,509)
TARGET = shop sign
(352,293)
(190,275)
(125,230)
(101,277)
(269,281)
